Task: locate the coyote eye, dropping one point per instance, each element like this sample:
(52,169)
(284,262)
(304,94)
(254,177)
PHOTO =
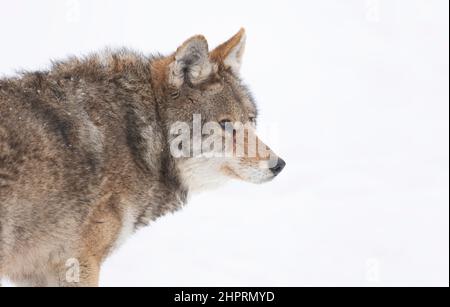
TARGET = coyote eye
(223,123)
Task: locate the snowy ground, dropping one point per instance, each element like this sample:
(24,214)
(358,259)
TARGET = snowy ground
(358,93)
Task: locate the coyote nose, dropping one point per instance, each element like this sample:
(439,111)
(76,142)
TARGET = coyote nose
(279,167)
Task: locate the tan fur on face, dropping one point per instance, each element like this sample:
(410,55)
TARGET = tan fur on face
(252,159)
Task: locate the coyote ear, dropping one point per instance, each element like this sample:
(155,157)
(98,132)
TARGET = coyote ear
(191,63)
(231,52)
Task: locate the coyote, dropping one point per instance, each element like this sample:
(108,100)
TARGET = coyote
(87,153)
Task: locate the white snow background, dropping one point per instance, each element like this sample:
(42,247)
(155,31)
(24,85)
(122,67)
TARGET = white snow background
(357,92)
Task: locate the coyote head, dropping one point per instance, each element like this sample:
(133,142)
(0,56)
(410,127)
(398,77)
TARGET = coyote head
(211,116)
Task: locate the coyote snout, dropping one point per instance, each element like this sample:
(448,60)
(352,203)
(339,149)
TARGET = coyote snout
(255,162)
(281,164)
